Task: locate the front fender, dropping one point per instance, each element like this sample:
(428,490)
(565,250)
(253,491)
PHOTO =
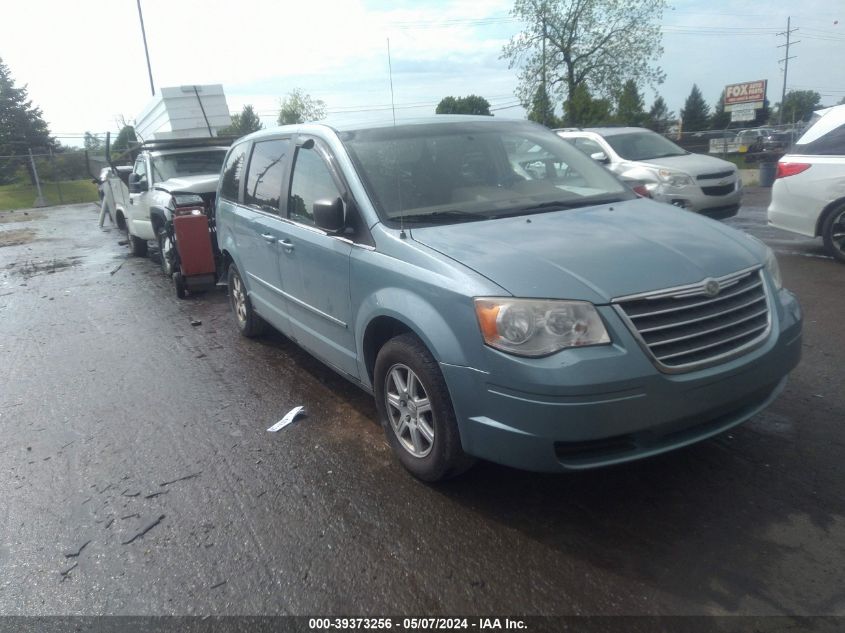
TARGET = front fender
(158,217)
(418,315)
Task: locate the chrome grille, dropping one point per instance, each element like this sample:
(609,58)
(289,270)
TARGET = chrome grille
(686,328)
(715,175)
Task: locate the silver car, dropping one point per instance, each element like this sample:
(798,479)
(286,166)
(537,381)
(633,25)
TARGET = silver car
(697,182)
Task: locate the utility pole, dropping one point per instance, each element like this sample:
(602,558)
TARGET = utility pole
(39,201)
(146,50)
(789,31)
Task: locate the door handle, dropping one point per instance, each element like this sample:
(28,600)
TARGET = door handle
(287,245)
(268,238)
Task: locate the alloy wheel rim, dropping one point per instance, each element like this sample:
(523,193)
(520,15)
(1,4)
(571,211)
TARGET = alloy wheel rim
(165,247)
(409,410)
(240,299)
(837,233)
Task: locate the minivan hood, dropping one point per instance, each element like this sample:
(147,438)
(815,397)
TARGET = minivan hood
(204,183)
(692,164)
(595,253)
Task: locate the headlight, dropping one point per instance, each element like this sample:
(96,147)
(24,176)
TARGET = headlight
(537,327)
(773,268)
(674,178)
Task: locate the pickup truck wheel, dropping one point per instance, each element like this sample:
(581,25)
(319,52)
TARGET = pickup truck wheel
(416,411)
(248,321)
(833,233)
(137,246)
(164,249)
(181,287)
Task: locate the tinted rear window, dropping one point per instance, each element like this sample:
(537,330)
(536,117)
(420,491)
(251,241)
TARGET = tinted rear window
(831,144)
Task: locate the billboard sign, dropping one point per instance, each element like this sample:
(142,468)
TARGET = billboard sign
(745,96)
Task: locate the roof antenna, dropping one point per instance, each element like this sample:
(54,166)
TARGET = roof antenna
(398,180)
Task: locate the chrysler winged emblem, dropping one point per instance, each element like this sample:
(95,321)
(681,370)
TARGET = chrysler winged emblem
(711,287)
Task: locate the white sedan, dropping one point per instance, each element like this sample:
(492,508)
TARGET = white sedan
(808,196)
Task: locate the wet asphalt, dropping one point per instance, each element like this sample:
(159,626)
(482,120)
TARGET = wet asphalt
(124,409)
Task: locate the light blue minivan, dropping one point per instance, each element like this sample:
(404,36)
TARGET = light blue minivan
(501,295)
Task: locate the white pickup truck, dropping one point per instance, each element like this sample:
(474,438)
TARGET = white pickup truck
(162,171)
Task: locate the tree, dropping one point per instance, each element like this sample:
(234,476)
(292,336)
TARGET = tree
(630,106)
(720,119)
(472,104)
(125,139)
(659,116)
(21,126)
(299,107)
(582,109)
(243,123)
(799,105)
(92,142)
(597,44)
(696,112)
(542,110)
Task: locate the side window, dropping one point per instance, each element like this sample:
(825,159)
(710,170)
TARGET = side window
(264,178)
(830,144)
(588,146)
(230,182)
(312,181)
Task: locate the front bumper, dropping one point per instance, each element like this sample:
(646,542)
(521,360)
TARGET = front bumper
(694,199)
(597,406)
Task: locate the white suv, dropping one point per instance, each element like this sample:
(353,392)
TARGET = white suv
(808,196)
(162,170)
(697,182)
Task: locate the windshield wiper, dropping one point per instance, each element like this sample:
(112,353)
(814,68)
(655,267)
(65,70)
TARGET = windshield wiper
(559,205)
(436,217)
(666,155)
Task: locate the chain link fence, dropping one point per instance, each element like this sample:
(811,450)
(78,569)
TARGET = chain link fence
(42,177)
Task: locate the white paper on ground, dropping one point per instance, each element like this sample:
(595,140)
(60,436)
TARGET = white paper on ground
(289,417)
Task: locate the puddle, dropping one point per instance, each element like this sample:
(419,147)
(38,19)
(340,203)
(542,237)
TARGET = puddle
(16,237)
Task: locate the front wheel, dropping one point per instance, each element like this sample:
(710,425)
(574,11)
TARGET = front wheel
(165,250)
(137,246)
(833,233)
(248,321)
(416,410)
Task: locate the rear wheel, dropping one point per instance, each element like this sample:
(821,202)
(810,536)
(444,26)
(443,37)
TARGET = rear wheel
(833,233)
(416,410)
(248,321)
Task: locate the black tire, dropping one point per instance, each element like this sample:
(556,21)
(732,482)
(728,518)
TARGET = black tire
(166,263)
(181,288)
(137,246)
(445,457)
(249,323)
(835,224)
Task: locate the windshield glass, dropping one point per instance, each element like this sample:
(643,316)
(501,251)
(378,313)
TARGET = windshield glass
(643,145)
(187,164)
(456,172)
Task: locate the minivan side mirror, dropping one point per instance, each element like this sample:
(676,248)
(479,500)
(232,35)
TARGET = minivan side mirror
(329,215)
(136,184)
(600,157)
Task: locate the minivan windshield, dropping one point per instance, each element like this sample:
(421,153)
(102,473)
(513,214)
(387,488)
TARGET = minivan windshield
(182,164)
(441,173)
(643,145)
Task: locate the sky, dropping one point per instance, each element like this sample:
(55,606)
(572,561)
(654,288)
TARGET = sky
(83,62)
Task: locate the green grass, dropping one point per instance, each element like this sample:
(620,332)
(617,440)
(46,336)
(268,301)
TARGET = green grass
(23,196)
